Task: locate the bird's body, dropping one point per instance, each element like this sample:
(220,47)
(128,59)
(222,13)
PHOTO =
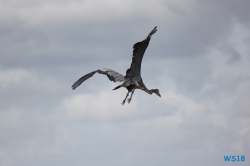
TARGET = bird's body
(132,80)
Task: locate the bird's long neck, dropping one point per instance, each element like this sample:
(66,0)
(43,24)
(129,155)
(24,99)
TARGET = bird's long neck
(148,90)
(144,88)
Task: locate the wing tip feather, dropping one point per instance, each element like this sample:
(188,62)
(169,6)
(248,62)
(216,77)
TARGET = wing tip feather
(153,31)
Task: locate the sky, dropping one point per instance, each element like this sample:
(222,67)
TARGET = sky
(199,59)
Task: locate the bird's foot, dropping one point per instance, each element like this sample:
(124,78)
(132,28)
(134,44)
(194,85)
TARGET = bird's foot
(123,102)
(129,99)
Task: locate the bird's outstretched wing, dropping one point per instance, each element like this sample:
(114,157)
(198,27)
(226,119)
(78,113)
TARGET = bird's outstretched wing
(111,74)
(138,52)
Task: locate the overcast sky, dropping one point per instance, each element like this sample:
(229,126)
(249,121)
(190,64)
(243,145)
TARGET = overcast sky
(199,59)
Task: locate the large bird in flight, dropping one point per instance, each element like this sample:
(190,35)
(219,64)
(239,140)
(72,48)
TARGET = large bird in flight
(132,80)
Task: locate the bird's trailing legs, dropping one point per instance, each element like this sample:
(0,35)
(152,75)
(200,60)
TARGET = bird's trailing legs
(129,99)
(125,98)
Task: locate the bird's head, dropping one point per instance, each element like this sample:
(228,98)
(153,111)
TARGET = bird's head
(156,91)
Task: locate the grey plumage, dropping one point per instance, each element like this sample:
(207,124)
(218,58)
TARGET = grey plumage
(138,52)
(112,75)
(132,80)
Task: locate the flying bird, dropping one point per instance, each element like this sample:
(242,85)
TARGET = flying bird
(132,80)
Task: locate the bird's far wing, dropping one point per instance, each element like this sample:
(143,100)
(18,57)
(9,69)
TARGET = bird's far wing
(111,74)
(82,79)
(138,52)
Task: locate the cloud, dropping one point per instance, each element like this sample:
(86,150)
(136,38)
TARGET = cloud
(198,59)
(14,76)
(10,118)
(104,106)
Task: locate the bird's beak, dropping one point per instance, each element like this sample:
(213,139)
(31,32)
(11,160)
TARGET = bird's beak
(159,94)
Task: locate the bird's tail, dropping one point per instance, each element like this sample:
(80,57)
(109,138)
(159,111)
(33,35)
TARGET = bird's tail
(117,87)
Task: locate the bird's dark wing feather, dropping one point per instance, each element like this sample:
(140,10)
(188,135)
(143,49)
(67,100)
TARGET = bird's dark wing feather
(111,74)
(138,52)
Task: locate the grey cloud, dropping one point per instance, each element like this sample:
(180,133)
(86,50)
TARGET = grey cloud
(202,76)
